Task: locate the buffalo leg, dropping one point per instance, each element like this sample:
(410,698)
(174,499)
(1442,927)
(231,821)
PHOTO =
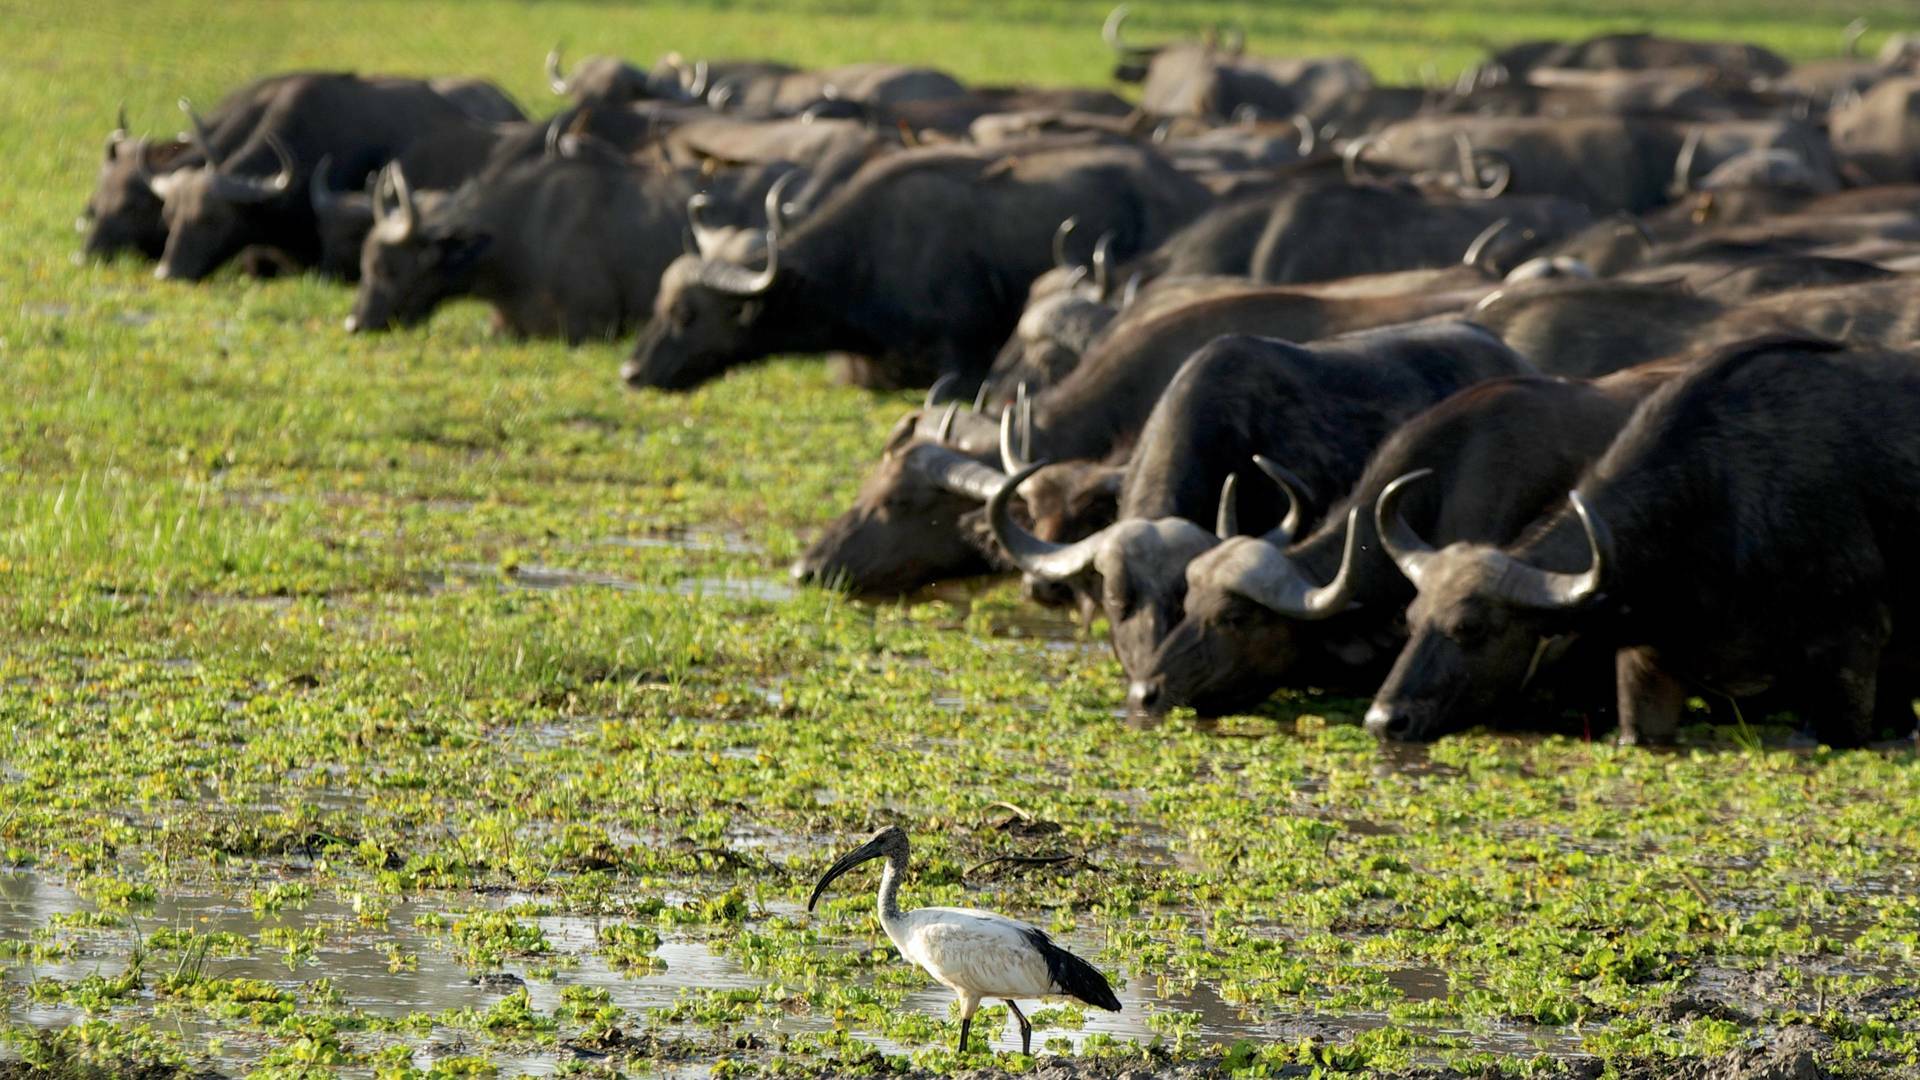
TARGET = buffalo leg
(1026,1029)
(1839,709)
(1650,700)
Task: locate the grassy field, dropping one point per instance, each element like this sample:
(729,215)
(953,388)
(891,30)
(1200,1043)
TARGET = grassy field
(431,703)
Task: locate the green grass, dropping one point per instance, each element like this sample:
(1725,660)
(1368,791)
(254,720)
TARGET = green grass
(261,641)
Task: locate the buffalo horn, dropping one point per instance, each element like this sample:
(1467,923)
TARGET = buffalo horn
(949,470)
(1044,560)
(1102,260)
(1309,139)
(319,192)
(937,392)
(1683,164)
(1410,553)
(1060,234)
(1290,593)
(556,79)
(202,138)
(1479,246)
(1350,156)
(1293,489)
(776,206)
(1529,586)
(740,281)
(253,189)
(945,431)
(1226,522)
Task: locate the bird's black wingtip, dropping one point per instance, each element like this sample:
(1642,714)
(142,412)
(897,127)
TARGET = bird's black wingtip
(1073,976)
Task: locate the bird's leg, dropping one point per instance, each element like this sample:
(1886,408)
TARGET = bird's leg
(966,1025)
(1026,1029)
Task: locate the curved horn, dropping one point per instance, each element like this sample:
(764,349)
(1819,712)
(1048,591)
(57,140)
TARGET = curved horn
(950,470)
(936,392)
(1410,553)
(1110,30)
(1102,259)
(120,120)
(1309,139)
(1288,592)
(556,79)
(1293,489)
(119,133)
(944,432)
(250,189)
(1131,293)
(554,130)
(1350,156)
(1486,237)
(701,72)
(1060,234)
(1851,34)
(320,192)
(1011,459)
(1548,590)
(980,395)
(201,137)
(1044,560)
(1683,165)
(1226,522)
(706,240)
(1468,165)
(740,281)
(776,206)
(397,226)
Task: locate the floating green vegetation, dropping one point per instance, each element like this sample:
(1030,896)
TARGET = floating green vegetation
(305,767)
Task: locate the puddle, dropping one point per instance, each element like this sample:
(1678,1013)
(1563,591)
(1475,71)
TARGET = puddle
(538,577)
(687,538)
(359,962)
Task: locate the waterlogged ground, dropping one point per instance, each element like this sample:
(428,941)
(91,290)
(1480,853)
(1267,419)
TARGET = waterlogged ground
(428,704)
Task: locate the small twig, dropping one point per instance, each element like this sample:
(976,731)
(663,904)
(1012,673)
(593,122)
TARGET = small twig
(1022,814)
(1694,886)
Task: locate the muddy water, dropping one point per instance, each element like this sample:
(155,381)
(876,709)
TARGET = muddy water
(356,960)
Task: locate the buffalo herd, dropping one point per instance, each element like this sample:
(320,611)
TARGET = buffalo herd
(1585,386)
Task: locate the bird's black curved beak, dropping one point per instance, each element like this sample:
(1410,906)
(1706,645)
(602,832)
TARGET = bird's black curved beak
(870,850)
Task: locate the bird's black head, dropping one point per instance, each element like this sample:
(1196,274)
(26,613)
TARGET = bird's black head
(889,843)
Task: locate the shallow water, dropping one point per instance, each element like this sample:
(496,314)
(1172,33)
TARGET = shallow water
(355,958)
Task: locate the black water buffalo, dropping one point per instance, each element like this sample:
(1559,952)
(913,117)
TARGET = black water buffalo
(1877,136)
(1215,78)
(1094,412)
(1746,533)
(611,81)
(257,193)
(1326,231)
(124,213)
(1262,612)
(1633,52)
(571,246)
(1590,328)
(1322,408)
(921,261)
(1602,162)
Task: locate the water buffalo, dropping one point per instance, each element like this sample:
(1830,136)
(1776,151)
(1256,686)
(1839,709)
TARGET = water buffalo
(1094,412)
(920,261)
(1323,408)
(1632,52)
(1215,77)
(571,245)
(1326,231)
(1262,612)
(1743,534)
(257,193)
(1877,136)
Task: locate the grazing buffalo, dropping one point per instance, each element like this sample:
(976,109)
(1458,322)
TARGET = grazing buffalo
(1094,412)
(921,262)
(256,194)
(1632,52)
(1215,77)
(1267,611)
(1744,534)
(1322,408)
(1327,231)
(570,246)
(611,81)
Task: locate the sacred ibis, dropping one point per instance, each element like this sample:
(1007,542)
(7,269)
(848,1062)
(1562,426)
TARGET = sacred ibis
(976,954)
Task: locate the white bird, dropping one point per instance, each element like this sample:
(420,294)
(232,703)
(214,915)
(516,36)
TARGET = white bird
(976,954)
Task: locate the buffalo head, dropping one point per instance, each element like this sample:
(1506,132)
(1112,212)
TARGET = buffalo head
(705,317)
(210,210)
(1248,613)
(414,256)
(1479,626)
(123,212)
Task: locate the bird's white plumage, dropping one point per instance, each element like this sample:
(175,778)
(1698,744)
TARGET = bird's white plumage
(975,953)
